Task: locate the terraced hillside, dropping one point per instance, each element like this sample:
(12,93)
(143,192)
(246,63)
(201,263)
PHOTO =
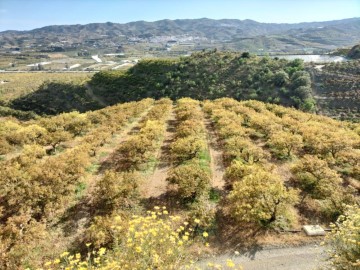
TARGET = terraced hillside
(337,90)
(155,183)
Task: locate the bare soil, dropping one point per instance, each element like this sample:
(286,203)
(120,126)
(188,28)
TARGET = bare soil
(284,170)
(216,155)
(77,216)
(108,159)
(156,185)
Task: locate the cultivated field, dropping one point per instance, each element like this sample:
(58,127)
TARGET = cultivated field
(14,85)
(337,90)
(235,174)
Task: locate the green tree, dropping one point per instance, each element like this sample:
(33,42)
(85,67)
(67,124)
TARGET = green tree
(187,148)
(135,151)
(280,78)
(244,149)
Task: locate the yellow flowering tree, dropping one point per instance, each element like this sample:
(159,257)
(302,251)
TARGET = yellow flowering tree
(315,178)
(285,143)
(261,198)
(344,240)
(191,180)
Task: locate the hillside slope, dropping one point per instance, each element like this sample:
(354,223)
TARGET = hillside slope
(210,75)
(57,97)
(204,75)
(336,88)
(75,182)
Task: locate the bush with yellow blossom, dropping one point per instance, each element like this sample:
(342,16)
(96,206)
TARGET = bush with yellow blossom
(154,241)
(344,240)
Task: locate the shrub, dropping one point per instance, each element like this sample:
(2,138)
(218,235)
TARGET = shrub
(238,169)
(152,130)
(5,147)
(285,143)
(155,241)
(135,151)
(315,178)
(191,179)
(187,148)
(189,128)
(244,149)
(344,240)
(116,191)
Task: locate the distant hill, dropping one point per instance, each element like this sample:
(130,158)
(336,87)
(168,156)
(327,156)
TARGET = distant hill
(240,33)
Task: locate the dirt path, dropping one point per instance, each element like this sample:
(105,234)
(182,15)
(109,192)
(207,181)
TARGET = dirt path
(107,152)
(291,258)
(216,163)
(284,170)
(77,216)
(156,184)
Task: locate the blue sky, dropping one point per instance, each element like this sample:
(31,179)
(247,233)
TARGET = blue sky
(30,14)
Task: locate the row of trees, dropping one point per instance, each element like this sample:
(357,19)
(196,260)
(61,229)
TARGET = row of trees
(140,148)
(117,192)
(190,173)
(327,158)
(53,131)
(257,195)
(37,187)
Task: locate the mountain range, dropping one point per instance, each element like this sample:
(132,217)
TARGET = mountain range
(241,34)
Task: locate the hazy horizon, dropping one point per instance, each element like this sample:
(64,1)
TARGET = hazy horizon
(27,15)
(171,20)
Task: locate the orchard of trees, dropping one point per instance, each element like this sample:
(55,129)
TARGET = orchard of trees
(203,75)
(210,75)
(72,183)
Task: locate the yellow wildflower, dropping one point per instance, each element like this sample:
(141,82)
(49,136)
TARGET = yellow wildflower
(64,254)
(230,263)
(102,251)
